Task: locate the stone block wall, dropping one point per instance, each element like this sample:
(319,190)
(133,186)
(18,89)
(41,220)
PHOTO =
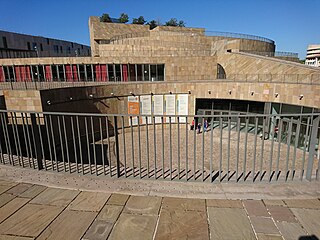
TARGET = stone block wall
(242,64)
(101,31)
(23,100)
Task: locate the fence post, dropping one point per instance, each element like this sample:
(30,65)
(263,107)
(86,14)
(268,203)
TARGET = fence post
(36,140)
(117,145)
(312,146)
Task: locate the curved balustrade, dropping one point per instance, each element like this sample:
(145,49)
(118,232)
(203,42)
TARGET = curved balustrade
(238,35)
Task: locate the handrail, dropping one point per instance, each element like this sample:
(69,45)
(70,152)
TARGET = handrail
(272,54)
(238,35)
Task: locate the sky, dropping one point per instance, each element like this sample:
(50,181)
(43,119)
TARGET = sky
(292,24)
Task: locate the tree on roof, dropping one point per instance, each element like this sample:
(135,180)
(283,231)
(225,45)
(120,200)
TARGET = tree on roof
(153,24)
(124,18)
(105,18)
(173,22)
(139,20)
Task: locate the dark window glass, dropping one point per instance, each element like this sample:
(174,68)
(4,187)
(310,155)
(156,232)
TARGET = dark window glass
(48,41)
(61,49)
(41,47)
(160,71)
(5,44)
(29,46)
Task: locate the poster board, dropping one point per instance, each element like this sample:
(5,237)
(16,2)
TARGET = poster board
(170,107)
(145,108)
(182,106)
(133,108)
(157,107)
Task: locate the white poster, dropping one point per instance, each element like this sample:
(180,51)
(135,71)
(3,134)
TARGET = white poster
(170,107)
(157,107)
(182,106)
(145,108)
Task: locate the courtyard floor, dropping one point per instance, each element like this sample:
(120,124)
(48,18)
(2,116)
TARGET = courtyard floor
(46,205)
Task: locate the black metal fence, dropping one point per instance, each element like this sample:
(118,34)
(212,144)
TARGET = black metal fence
(212,148)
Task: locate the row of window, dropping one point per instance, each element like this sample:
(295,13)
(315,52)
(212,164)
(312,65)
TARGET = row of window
(83,72)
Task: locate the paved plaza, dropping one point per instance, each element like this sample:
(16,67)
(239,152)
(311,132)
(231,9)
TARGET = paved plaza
(44,205)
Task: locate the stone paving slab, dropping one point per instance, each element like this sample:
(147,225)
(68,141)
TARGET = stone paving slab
(303,203)
(268,237)
(222,203)
(309,219)
(5,198)
(89,201)
(264,225)
(8,237)
(110,213)
(255,208)
(7,183)
(274,202)
(291,231)
(143,205)
(18,189)
(184,204)
(134,227)
(30,220)
(11,207)
(4,188)
(118,199)
(180,224)
(33,191)
(99,230)
(281,213)
(229,223)
(69,225)
(55,197)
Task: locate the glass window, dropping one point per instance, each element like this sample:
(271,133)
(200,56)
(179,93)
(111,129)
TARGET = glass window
(146,72)
(118,72)
(5,44)
(153,69)
(160,72)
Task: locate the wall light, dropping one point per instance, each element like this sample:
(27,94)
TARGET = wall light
(276,95)
(132,93)
(170,92)
(189,91)
(49,102)
(70,98)
(112,94)
(300,97)
(91,96)
(209,91)
(230,91)
(252,92)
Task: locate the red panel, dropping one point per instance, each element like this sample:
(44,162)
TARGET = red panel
(1,74)
(75,73)
(23,73)
(48,73)
(68,73)
(125,73)
(104,76)
(17,73)
(98,73)
(28,74)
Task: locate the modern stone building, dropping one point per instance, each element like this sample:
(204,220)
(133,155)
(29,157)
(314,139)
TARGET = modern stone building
(313,56)
(218,71)
(16,45)
(136,76)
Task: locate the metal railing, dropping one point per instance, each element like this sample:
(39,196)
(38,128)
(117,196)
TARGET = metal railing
(238,35)
(313,79)
(13,53)
(273,54)
(230,148)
